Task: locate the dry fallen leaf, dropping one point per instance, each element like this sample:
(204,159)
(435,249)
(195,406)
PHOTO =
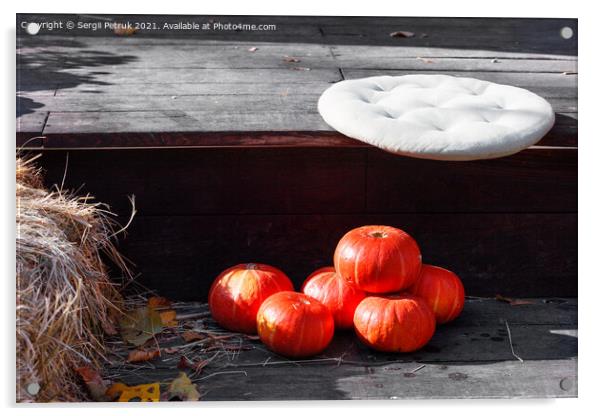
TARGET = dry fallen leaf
(402,34)
(158,302)
(513,302)
(291,59)
(253,49)
(97,387)
(163,306)
(301,68)
(182,388)
(170,350)
(140,325)
(137,356)
(168,318)
(140,393)
(190,336)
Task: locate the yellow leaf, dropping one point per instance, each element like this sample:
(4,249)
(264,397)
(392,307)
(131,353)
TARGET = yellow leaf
(139,393)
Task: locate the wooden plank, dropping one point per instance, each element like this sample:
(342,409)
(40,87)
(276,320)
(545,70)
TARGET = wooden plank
(479,335)
(510,379)
(533,38)
(265,55)
(217,181)
(176,128)
(535,311)
(174,121)
(209,103)
(450,344)
(355,60)
(191,140)
(186,89)
(381,53)
(317,180)
(200,55)
(513,254)
(547,179)
(506,379)
(177,75)
(399,46)
(472,354)
(282,102)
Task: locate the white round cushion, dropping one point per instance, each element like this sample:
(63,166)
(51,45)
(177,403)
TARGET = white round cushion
(437,116)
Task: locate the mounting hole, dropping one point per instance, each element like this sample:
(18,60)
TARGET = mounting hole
(566,32)
(32,28)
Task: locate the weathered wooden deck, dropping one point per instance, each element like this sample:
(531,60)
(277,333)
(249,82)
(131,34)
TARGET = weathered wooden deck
(211,89)
(218,136)
(468,358)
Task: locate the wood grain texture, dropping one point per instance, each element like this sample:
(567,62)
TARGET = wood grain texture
(535,180)
(316,180)
(183,89)
(151,91)
(146,76)
(503,380)
(112,124)
(467,358)
(512,221)
(217,181)
(515,254)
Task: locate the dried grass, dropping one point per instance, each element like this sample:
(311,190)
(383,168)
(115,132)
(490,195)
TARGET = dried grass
(65,300)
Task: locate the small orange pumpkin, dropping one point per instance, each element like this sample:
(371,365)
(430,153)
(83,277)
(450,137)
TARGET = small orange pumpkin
(238,292)
(378,258)
(442,290)
(394,323)
(294,325)
(338,295)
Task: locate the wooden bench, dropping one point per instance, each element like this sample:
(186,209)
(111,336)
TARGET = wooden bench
(218,136)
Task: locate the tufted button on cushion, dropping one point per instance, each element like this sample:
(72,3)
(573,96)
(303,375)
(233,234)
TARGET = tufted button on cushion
(437,116)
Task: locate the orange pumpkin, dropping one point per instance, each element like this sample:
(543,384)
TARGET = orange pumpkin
(338,295)
(394,323)
(294,325)
(442,290)
(238,292)
(378,258)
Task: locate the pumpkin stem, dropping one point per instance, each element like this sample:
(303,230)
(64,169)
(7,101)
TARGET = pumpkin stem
(251,266)
(378,234)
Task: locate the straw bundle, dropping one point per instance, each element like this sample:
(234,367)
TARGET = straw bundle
(65,300)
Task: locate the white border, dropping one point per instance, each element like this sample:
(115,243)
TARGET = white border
(590,158)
